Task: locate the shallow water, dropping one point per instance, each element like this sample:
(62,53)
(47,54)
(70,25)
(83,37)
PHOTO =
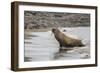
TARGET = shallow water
(40,46)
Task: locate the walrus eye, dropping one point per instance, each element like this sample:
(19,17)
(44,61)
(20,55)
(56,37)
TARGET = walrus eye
(64,30)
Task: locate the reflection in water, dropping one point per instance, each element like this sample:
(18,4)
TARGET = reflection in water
(27,59)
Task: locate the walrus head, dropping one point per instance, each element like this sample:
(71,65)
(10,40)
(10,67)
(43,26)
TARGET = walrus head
(55,30)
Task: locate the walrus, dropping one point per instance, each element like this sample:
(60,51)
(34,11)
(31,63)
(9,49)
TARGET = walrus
(66,41)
